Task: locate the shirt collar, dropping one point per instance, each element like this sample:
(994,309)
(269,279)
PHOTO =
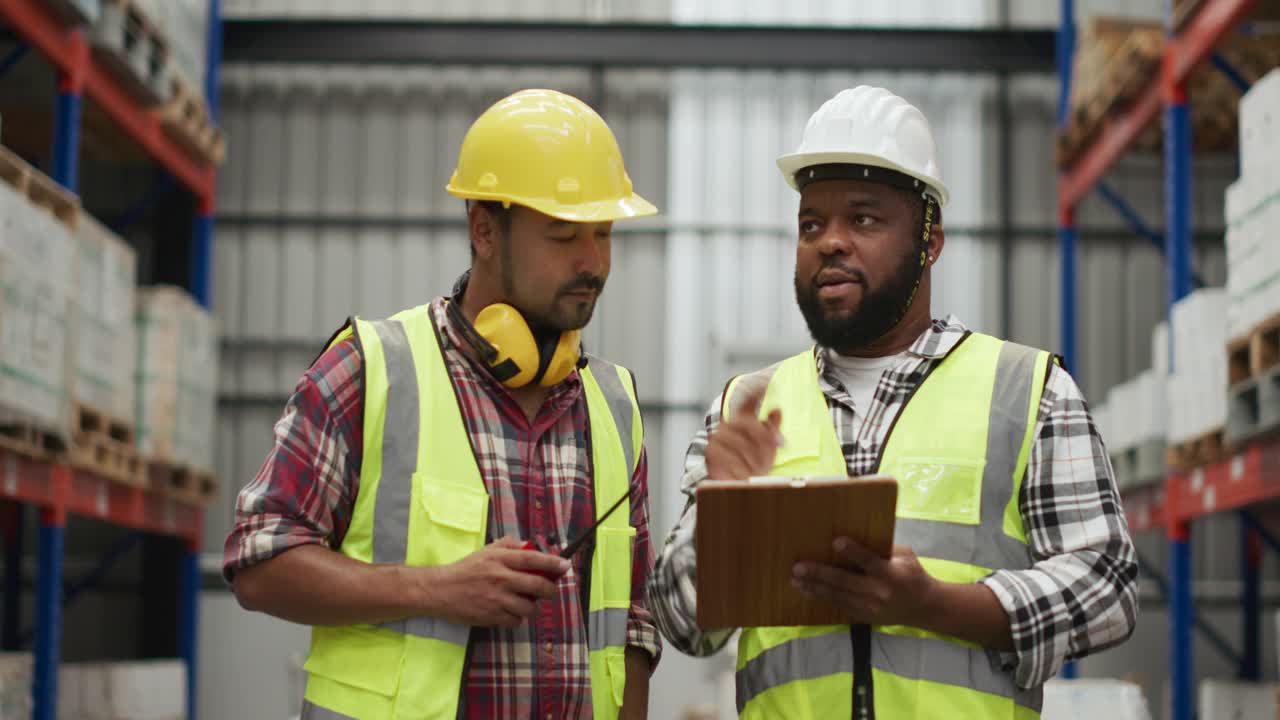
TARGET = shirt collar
(934,343)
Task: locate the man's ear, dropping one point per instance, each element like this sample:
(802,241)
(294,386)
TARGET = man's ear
(937,239)
(484,231)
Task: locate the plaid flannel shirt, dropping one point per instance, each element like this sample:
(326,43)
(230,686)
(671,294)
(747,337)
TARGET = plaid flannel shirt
(538,478)
(1079,596)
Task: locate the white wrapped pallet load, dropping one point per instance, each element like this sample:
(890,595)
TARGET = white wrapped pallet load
(1101,414)
(177,378)
(104,331)
(136,690)
(1129,413)
(1245,267)
(1212,380)
(15,685)
(1094,698)
(187,25)
(1260,126)
(1153,415)
(1117,441)
(1231,700)
(37,262)
(1160,348)
(1198,395)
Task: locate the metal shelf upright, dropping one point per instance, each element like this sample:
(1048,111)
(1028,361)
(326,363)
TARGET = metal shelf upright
(55,488)
(1246,478)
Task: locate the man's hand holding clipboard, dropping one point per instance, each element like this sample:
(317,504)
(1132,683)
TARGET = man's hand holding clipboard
(772,552)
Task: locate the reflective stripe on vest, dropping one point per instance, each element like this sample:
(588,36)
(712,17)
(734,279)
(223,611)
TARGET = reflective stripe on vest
(913,658)
(959,449)
(311,711)
(422,502)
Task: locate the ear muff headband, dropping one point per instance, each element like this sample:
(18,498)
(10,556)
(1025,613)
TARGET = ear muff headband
(505,343)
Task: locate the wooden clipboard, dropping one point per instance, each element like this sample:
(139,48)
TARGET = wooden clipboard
(750,535)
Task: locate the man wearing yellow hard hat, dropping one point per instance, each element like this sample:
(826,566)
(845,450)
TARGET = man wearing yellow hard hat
(457,496)
(1011,551)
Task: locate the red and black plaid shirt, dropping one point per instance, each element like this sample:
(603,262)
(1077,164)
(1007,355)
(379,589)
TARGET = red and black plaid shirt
(537,476)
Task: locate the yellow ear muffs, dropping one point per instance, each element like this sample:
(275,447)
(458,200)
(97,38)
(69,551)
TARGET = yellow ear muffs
(517,359)
(564,359)
(503,327)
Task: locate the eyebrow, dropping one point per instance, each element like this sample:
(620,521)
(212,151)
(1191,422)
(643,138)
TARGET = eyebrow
(868,203)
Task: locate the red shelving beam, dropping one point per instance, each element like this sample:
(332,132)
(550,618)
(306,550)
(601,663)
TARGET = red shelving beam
(1181,56)
(1249,476)
(67,49)
(1144,508)
(66,490)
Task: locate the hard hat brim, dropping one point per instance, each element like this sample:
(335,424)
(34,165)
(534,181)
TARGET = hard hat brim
(795,162)
(597,211)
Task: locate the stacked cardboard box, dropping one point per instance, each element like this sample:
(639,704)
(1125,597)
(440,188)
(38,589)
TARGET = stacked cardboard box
(177,378)
(37,259)
(103,324)
(1198,383)
(143,690)
(1253,212)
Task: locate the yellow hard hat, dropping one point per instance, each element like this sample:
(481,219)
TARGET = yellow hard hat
(548,151)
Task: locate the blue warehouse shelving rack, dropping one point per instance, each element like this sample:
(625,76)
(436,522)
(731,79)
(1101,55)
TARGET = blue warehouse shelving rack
(58,490)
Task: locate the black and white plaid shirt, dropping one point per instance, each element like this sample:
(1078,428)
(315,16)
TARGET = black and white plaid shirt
(1080,596)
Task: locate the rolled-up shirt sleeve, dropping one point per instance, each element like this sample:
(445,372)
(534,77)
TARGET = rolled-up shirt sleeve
(305,491)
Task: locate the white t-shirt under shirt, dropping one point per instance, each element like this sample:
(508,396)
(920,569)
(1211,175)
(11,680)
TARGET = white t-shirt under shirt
(860,377)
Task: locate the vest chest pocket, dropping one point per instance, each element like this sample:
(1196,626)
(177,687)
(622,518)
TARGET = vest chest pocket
(939,489)
(615,549)
(451,521)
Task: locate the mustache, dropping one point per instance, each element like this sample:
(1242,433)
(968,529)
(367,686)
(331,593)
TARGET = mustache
(835,265)
(585,281)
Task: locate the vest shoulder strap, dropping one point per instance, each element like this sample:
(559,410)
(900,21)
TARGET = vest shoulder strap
(617,384)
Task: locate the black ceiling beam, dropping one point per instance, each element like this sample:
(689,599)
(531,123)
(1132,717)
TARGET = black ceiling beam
(639,46)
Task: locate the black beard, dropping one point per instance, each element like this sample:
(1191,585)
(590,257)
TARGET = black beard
(877,314)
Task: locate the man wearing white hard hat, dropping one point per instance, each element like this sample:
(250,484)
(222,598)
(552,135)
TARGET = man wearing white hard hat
(1011,552)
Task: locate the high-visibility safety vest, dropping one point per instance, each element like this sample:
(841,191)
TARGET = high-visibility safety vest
(958,449)
(422,503)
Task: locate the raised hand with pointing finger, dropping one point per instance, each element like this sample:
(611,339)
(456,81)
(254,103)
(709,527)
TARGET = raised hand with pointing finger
(744,446)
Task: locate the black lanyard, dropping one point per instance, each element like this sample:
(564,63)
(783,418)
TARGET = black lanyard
(864,698)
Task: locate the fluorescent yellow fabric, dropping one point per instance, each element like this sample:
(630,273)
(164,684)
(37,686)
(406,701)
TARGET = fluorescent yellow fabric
(413,669)
(938,451)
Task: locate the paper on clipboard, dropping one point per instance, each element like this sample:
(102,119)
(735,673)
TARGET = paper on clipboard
(750,534)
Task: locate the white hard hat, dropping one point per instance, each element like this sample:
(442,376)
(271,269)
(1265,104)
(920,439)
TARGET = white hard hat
(871,127)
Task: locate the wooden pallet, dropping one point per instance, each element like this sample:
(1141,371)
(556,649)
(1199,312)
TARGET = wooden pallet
(182,482)
(90,421)
(1198,452)
(1238,361)
(1184,10)
(1255,354)
(39,188)
(185,118)
(109,458)
(31,440)
(1117,60)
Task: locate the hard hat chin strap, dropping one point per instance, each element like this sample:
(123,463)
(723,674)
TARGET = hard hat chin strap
(930,212)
